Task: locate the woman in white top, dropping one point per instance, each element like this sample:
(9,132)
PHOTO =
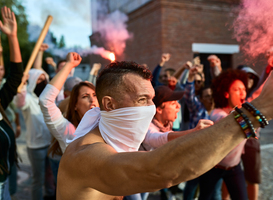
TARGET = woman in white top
(82,98)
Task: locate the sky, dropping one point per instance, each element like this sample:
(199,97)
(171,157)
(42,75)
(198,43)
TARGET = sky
(70,18)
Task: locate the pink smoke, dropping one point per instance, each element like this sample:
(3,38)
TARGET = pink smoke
(113,30)
(253,28)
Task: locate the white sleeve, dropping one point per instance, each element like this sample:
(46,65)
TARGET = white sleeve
(57,124)
(155,139)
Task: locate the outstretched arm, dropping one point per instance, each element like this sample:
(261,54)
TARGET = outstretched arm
(9,27)
(90,163)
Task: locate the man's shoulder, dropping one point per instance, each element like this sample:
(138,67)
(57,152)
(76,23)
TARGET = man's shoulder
(92,137)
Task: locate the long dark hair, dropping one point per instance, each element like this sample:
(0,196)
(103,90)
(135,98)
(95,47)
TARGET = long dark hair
(71,114)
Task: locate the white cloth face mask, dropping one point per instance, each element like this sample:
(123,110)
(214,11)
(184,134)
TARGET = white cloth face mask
(125,128)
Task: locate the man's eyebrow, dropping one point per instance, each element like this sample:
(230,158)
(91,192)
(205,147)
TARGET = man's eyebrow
(146,95)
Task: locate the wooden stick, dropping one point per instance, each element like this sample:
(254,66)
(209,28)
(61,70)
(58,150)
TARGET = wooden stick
(36,48)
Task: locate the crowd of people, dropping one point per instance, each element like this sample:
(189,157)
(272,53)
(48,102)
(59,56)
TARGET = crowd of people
(122,133)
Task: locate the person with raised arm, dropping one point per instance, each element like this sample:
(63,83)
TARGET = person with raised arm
(8,155)
(102,161)
(165,57)
(82,98)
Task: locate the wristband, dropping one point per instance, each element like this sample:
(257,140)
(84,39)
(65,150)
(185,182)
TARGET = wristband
(245,123)
(256,113)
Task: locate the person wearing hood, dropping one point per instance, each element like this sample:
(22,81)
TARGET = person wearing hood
(253,79)
(252,156)
(37,134)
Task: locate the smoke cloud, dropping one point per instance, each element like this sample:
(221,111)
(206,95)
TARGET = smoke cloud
(113,30)
(35,30)
(111,26)
(253,28)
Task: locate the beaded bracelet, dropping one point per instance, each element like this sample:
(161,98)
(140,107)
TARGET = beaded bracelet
(245,123)
(256,113)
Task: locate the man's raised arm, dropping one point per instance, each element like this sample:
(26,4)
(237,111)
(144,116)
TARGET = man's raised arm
(97,165)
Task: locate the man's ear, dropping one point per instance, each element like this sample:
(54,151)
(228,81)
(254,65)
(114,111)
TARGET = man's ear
(226,95)
(109,103)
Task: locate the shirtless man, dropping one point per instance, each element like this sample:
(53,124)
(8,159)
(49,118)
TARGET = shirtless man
(92,169)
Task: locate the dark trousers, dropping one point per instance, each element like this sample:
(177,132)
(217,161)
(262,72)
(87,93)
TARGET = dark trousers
(234,179)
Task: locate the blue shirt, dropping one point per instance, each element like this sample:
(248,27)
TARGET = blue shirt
(196,108)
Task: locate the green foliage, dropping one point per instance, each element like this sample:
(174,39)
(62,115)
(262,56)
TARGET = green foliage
(62,42)
(22,23)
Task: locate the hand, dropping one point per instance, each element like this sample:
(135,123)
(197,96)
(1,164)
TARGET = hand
(24,78)
(164,58)
(43,47)
(203,123)
(187,65)
(50,61)
(1,49)
(74,59)
(96,66)
(10,26)
(199,68)
(196,60)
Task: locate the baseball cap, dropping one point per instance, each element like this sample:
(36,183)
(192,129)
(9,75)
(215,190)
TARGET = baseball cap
(164,93)
(71,82)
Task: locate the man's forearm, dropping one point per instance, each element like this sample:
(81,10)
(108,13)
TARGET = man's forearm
(179,160)
(193,154)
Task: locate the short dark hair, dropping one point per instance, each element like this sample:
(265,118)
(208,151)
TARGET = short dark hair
(221,84)
(110,79)
(171,70)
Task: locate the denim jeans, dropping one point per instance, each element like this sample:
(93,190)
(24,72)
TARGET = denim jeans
(234,179)
(190,189)
(41,173)
(133,197)
(54,164)
(4,190)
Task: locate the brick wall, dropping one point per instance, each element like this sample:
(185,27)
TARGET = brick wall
(173,25)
